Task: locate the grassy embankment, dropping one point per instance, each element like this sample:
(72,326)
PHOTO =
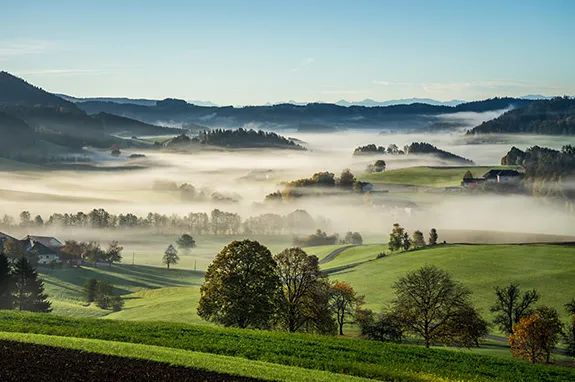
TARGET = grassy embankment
(356,357)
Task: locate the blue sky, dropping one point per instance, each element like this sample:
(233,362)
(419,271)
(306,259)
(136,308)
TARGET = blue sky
(253,52)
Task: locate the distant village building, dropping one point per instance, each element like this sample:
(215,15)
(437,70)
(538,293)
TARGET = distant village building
(492,176)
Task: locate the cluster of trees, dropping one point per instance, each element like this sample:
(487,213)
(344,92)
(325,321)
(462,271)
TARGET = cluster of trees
(533,333)
(550,117)
(399,239)
(414,148)
(247,287)
(238,138)
(189,193)
(354,238)
(103,293)
(378,166)
(217,222)
(321,183)
(75,251)
(548,172)
(319,238)
(20,286)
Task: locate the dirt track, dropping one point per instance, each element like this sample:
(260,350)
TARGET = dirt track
(21,362)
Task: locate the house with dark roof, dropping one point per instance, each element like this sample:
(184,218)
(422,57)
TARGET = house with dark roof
(502,176)
(46,248)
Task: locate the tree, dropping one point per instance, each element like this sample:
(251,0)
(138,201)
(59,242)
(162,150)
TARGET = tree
(72,251)
(352,238)
(428,302)
(38,221)
(418,240)
(104,294)
(468,175)
(467,328)
(534,337)
(114,253)
(396,237)
(406,241)
(93,253)
(13,249)
(6,284)
(511,306)
(29,288)
(170,256)
(241,286)
(345,302)
(90,289)
(185,243)
(570,331)
(346,180)
(25,219)
(301,280)
(433,237)
(382,327)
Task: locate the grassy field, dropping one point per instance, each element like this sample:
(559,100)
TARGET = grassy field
(426,176)
(548,268)
(355,256)
(368,359)
(64,286)
(178,357)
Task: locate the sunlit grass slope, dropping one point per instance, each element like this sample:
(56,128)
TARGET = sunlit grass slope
(65,286)
(369,359)
(426,176)
(178,357)
(548,268)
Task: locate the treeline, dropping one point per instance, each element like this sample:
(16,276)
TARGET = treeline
(189,192)
(321,183)
(552,117)
(414,148)
(236,138)
(548,172)
(197,223)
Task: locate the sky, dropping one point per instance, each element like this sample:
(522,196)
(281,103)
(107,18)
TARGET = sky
(240,52)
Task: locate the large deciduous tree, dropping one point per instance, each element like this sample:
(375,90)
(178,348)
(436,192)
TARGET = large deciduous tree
(114,253)
(302,287)
(170,256)
(241,287)
(511,305)
(429,303)
(396,238)
(13,249)
(534,337)
(345,303)
(186,242)
(29,288)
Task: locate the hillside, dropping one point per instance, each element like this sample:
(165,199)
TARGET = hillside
(16,91)
(284,116)
(548,268)
(550,117)
(128,127)
(296,357)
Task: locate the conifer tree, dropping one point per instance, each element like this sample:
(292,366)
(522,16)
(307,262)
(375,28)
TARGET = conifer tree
(6,284)
(29,289)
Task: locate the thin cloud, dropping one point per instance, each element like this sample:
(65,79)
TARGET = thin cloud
(306,62)
(66,72)
(25,47)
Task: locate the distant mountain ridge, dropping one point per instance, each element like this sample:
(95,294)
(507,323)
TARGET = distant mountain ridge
(405,101)
(134,101)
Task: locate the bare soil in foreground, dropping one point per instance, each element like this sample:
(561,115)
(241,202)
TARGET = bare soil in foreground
(21,362)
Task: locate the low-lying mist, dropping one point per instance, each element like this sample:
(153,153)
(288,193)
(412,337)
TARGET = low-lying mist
(253,174)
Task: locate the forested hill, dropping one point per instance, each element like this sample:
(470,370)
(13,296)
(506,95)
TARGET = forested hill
(292,116)
(552,117)
(16,91)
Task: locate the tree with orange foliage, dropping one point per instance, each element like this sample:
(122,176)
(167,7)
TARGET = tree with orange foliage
(345,302)
(535,336)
